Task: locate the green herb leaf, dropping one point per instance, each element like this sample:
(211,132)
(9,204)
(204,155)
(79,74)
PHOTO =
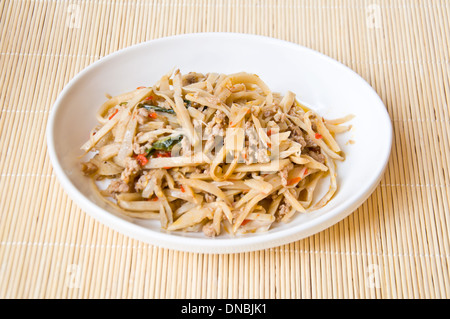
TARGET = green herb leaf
(156,108)
(164,144)
(188,103)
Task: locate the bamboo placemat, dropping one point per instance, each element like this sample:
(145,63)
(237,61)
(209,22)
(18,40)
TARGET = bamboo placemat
(396,245)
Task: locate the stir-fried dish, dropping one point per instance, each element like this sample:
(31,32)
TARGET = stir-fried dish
(213,153)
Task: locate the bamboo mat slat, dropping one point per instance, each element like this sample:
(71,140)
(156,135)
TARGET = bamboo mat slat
(396,245)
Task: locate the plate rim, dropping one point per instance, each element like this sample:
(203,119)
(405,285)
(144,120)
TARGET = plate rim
(213,245)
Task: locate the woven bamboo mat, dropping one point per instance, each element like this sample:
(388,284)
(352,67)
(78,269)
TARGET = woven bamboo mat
(396,245)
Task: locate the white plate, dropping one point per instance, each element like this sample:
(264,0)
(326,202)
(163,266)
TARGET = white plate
(324,84)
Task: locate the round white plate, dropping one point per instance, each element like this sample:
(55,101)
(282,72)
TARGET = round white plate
(325,85)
